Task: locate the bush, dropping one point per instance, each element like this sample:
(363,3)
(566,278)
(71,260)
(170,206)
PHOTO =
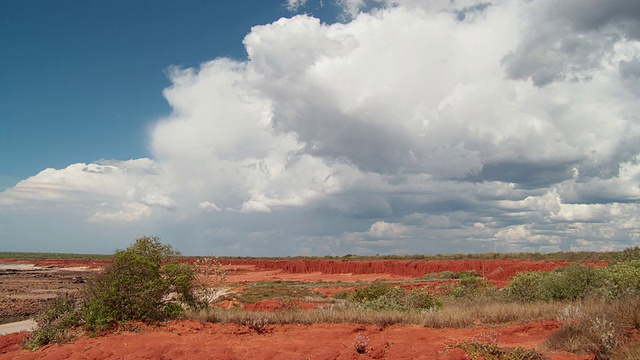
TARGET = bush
(576,282)
(384,297)
(600,336)
(145,282)
(136,286)
(526,287)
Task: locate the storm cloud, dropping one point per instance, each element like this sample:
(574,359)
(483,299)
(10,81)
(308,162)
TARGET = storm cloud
(411,128)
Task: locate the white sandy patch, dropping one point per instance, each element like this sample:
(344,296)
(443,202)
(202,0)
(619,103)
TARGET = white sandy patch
(26,325)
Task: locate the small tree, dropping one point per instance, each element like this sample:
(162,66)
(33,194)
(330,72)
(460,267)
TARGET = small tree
(142,283)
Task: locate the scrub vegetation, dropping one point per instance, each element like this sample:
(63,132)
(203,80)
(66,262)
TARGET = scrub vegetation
(597,308)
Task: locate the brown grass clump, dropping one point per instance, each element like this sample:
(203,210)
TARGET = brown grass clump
(459,313)
(600,328)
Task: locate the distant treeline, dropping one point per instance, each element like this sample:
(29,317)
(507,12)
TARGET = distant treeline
(632,253)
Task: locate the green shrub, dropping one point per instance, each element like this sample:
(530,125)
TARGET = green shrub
(422,300)
(384,297)
(621,280)
(576,282)
(145,282)
(136,286)
(470,286)
(342,295)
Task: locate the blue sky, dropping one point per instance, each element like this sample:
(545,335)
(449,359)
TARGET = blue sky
(84,78)
(320,127)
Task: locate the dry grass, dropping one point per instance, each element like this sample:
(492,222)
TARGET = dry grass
(460,313)
(600,328)
(597,327)
(455,314)
(631,352)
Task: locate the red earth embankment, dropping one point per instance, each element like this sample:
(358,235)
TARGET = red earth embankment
(493,270)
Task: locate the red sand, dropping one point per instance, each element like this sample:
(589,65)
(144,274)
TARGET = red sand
(497,272)
(193,340)
(491,269)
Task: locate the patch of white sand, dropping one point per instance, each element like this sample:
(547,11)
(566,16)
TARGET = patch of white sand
(27,325)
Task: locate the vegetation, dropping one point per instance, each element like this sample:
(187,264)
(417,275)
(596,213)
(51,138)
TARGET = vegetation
(577,282)
(54,322)
(573,256)
(598,307)
(487,348)
(145,283)
(381,297)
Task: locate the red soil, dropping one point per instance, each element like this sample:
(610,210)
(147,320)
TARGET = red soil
(193,340)
(491,269)
(497,272)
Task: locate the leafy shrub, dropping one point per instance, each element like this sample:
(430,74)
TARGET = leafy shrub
(526,287)
(136,286)
(145,282)
(384,297)
(342,295)
(576,282)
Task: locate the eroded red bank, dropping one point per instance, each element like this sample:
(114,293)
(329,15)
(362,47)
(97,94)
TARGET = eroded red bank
(496,271)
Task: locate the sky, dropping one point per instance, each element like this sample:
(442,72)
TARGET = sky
(277,128)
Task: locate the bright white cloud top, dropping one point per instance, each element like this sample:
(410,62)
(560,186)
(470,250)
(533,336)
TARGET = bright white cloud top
(446,127)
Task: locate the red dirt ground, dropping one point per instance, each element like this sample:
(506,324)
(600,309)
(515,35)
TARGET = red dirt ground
(194,340)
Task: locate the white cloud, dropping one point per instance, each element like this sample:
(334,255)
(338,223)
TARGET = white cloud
(208,206)
(294,5)
(382,229)
(443,123)
(129,213)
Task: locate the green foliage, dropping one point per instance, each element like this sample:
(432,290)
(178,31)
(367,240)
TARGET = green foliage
(470,286)
(384,297)
(136,286)
(145,282)
(525,287)
(576,282)
(54,322)
(342,295)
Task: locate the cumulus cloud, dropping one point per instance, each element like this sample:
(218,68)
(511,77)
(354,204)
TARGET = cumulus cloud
(415,127)
(208,206)
(382,229)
